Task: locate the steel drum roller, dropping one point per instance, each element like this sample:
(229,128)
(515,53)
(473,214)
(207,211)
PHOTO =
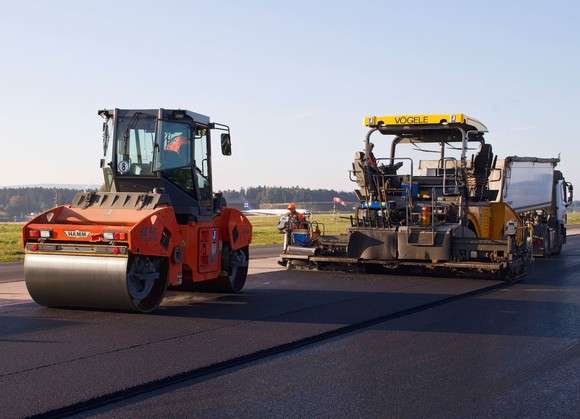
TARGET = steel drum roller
(91,282)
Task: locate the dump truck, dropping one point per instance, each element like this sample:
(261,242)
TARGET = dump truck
(439,219)
(539,194)
(155,224)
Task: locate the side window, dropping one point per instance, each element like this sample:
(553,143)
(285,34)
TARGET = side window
(107,155)
(175,145)
(202,163)
(175,154)
(182,177)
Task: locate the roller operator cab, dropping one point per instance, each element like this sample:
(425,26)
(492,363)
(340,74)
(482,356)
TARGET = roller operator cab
(155,223)
(435,214)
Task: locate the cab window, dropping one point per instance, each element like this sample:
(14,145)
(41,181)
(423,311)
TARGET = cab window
(135,142)
(174,145)
(201,152)
(182,177)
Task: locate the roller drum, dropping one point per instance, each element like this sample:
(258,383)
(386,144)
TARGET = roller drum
(90,282)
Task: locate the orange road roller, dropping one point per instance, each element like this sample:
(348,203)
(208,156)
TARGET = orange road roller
(154,224)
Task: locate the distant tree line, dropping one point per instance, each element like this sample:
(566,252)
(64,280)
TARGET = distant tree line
(260,195)
(17,203)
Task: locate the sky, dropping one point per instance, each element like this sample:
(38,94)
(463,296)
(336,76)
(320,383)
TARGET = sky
(294,80)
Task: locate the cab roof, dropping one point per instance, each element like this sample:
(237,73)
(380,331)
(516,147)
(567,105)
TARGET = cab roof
(416,122)
(162,113)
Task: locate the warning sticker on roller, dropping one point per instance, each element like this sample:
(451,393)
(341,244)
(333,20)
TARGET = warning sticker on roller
(123,166)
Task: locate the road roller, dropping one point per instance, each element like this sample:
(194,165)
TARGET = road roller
(155,224)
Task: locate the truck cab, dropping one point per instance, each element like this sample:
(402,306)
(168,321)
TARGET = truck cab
(539,194)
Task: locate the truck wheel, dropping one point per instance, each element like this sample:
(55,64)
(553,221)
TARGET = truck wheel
(558,247)
(547,244)
(234,270)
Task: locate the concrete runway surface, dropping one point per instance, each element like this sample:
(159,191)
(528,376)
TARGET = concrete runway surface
(308,344)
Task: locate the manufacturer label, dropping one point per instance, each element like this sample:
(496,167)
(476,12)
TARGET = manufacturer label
(77,234)
(412,119)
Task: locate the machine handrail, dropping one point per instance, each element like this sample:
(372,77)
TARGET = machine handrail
(444,161)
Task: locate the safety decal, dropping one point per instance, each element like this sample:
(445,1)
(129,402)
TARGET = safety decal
(123,167)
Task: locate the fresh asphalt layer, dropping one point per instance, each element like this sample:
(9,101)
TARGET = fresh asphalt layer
(435,341)
(509,353)
(56,358)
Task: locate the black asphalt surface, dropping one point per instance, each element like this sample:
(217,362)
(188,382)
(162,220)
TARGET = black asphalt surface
(55,358)
(510,353)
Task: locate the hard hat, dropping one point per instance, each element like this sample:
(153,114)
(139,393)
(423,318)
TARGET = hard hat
(291,206)
(177,143)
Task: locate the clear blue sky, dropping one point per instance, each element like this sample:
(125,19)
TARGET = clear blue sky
(293,79)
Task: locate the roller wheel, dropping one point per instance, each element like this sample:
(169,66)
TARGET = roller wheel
(235,270)
(136,283)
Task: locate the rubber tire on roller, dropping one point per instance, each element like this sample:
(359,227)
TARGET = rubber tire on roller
(136,283)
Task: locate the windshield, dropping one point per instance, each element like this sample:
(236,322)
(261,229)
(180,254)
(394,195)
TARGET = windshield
(135,144)
(425,154)
(137,154)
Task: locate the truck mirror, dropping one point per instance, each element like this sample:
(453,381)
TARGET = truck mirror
(570,193)
(226,144)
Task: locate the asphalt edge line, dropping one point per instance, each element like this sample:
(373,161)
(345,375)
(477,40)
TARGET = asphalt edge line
(243,360)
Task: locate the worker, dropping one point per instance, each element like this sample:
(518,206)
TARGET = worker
(293,213)
(371,159)
(177,143)
(177,151)
(295,219)
(373,173)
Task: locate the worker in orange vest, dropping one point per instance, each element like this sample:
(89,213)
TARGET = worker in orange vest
(295,219)
(176,152)
(293,214)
